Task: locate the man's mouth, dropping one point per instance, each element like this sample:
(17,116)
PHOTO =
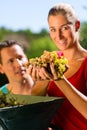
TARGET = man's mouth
(21,71)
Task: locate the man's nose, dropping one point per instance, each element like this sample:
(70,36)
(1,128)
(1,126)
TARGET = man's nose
(18,62)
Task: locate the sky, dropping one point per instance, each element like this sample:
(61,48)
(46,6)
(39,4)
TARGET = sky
(32,14)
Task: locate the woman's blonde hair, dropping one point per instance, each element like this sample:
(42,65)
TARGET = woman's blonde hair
(66,10)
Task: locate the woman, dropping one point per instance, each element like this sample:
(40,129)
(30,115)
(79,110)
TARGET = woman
(64,28)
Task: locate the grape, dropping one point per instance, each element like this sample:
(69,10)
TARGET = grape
(5,103)
(60,62)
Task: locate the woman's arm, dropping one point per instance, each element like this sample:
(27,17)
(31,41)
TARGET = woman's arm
(76,98)
(40,88)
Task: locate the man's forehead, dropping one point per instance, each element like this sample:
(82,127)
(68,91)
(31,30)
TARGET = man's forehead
(12,51)
(12,48)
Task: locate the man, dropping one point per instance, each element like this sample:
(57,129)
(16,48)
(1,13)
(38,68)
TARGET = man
(13,64)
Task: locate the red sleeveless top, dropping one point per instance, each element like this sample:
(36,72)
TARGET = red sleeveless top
(67,117)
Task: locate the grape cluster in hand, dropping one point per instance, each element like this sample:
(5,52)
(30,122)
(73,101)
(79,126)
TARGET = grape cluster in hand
(59,61)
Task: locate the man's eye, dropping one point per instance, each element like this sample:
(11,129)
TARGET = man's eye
(11,61)
(20,57)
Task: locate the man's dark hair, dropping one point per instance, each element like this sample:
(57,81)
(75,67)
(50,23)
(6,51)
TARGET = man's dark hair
(8,43)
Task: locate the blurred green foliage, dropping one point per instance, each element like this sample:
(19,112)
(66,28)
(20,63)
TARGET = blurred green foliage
(36,42)
(83,35)
(39,45)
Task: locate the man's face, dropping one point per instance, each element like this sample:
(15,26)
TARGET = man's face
(13,63)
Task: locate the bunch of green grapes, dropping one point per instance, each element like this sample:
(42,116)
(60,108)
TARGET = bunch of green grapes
(5,103)
(60,62)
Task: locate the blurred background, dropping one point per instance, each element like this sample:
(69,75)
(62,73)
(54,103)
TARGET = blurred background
(26,22)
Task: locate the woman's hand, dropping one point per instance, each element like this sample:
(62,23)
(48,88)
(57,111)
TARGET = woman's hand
(53,71)
(33,71)
(38,73)
(45,75)
(41,73)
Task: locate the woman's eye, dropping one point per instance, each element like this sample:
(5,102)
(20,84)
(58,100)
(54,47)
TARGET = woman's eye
(52,30)
(64,28)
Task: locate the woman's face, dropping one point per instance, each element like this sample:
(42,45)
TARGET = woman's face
(62,32)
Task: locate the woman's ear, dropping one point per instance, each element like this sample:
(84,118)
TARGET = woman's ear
(77,25)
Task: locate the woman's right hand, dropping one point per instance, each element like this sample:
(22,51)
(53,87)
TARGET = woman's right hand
(38,73)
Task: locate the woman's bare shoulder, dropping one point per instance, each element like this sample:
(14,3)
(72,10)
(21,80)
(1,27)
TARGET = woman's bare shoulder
(85,52)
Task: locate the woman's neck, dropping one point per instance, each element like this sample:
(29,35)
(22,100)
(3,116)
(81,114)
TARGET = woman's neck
(74,53)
